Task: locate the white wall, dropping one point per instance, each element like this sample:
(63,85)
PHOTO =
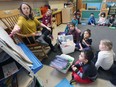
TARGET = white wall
(15,4)
(57,3)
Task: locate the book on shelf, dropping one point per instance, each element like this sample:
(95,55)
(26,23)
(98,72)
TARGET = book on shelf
(9,69)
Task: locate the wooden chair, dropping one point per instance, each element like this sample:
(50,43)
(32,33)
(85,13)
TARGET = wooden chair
(9,18)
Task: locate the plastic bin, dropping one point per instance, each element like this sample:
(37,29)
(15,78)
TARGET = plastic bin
(66,49)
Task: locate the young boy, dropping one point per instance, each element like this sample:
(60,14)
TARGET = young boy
(111,21)
(91,20)
(84,71)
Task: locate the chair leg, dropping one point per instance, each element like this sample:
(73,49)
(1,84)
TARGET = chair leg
(44,51)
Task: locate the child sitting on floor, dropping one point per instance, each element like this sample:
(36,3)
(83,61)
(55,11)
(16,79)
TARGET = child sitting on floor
(91,20)
(84,71)
(105,57)
(75,32)
(111,21)
(102,19)
(85,41)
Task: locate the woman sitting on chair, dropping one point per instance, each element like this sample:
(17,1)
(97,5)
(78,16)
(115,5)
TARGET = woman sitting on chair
(27,24)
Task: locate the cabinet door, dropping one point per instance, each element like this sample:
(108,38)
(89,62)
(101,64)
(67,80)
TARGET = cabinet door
(58,18)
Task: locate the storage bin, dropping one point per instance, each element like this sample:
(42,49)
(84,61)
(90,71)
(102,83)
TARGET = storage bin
(66,49)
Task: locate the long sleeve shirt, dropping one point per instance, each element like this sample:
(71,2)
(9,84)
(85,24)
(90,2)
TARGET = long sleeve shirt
(47,20)
(88,70)
(105,59)
(28,26)
(75,33)
(75,22)
(91,20)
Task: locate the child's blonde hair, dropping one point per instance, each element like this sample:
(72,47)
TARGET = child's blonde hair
(107,43)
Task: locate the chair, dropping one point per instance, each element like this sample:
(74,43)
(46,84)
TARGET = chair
(9,18)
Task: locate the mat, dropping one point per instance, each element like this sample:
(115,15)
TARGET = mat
(64,83)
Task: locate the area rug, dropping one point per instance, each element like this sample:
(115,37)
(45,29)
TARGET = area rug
(101,74)
(98,33)
(64,83)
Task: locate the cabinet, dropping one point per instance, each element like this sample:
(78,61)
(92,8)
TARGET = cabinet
(104,8)
(67,14)
(58,17)
(112,10)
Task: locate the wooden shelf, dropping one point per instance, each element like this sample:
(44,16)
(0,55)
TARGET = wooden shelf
(24,80)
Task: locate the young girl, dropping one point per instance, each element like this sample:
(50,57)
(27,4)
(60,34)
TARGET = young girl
(85,41)
(84,71)
(105,56)
(75,32)
(102,19)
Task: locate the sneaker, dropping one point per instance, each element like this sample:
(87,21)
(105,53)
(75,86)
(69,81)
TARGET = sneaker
(72,81)
(42,41)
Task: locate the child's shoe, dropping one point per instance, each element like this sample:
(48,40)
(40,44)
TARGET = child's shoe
(72,81)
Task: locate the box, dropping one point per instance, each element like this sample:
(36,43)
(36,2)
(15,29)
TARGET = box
(65,38)
(70,59)
(66,48)
(63,58)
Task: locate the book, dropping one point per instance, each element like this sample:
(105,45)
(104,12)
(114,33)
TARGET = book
(9,69)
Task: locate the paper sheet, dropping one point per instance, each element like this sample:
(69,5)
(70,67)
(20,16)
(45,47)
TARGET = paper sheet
(7,39)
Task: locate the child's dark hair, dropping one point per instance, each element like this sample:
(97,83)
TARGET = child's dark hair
(88,55)
(30,15)
(72,24)
(92,13)
(89,31)
(104,14)
(113,15)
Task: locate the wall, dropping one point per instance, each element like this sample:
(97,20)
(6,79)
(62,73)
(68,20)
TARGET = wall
(15,4)
(57,3)
(98,5)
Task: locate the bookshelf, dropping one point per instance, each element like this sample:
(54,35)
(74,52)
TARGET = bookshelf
(112,10)
(24,82)
(8,69)
(18,77)
(22,74)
